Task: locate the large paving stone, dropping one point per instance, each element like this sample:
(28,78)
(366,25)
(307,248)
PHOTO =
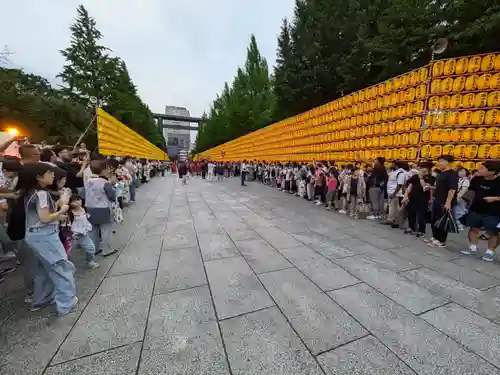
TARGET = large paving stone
(136,258)
(327,275)
(235,288)
(176,240)
(256,221)
(262,343)
(310,311)
(385,258)
(182,336)
(179,269)
(216,246)
(120,361)
(242,235)
(479,265)
(471,330)
(300,253)
(366,356)
(28,341)
(455,271)
(425,349)
(408,294)
(262,257)
(277,238)
(115,316)
(485,303)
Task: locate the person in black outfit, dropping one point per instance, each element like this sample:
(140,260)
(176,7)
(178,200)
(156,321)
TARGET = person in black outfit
(417,197)
(445,191)
(74,171)
(484,210)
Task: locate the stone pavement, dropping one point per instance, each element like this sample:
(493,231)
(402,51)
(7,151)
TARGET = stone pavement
(219,279)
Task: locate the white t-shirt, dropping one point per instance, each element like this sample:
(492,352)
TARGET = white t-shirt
(397,177)
(86,174)
(211,167)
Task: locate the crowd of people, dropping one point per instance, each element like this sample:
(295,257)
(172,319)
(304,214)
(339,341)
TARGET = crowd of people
(443,194)
(55,200)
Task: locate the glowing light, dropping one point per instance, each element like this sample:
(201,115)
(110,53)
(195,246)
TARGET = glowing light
(13,131)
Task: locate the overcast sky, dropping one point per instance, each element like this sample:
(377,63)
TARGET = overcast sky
(178,52)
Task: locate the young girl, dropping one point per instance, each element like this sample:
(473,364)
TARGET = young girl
(99,195)
(81,229)
(53,272)
(331,183)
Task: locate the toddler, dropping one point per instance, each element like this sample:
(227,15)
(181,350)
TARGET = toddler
(81,228)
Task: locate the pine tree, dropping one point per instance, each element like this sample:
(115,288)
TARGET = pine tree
(84,72)
(90,71)
(245,106)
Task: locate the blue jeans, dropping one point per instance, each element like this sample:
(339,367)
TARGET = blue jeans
(85,243)
(53,273)
(106,231)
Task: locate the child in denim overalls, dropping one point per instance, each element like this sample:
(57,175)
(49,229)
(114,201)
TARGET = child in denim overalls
(53,273)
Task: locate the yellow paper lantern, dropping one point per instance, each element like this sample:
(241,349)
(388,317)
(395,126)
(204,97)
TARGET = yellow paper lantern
(449,67)
(478,117)
(488,63)
(483,82)
(471,151)
(436,151)
(471,82)
(435,86)
(495,81)
(465,118)
(456,101)
(462,65)
(437,68)
(468,100)
(494,151)
(474,64)
(459,151)
(425,151)
(480,100)
(493,99)
(492,117)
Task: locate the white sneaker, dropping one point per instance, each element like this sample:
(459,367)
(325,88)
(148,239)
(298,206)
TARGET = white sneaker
(7,256)
(343,212)
(318,203)
(93,265)
(469,251)
(372,217)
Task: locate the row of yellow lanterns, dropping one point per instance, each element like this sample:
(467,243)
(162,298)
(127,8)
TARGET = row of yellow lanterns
(459,66)
(464,65)
(428,136)
(470,100)
(465,152)
(463,83)
(454,134)
(438,114)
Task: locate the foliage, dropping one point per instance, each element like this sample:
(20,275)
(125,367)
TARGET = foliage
(29,103)
(332,48)
(91,72)
(245,106)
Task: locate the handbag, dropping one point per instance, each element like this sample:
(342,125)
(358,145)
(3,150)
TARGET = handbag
(447,223)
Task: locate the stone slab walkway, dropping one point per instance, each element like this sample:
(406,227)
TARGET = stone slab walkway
(219,279)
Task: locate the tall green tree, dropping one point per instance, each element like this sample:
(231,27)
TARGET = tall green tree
(247,105)
(332,48)
(91,71)
(85,71)
(30,103)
